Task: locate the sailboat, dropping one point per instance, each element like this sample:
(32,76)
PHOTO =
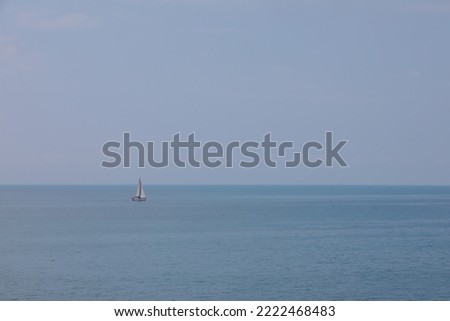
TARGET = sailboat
(139,195)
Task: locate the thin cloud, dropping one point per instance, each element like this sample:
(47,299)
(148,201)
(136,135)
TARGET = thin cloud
(5,37)
(7,48)
(47,22)
(12,62)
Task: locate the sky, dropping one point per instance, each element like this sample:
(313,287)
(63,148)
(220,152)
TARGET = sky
(76,74)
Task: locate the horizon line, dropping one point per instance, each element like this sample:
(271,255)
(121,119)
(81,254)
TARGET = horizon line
(218,184)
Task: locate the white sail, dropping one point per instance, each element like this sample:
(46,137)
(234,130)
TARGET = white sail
(142,195)
(138,189)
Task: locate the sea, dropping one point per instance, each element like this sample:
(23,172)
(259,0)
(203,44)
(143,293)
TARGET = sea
(204,242)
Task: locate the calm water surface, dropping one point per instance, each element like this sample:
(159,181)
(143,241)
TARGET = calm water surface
(225,243)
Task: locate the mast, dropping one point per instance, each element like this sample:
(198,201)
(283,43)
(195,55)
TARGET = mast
(140,187)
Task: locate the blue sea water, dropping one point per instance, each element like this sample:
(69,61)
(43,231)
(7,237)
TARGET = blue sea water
(225,243)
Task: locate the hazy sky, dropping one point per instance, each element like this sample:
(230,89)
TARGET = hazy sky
(75,74)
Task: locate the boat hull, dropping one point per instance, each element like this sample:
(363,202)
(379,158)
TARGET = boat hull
(138,199)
